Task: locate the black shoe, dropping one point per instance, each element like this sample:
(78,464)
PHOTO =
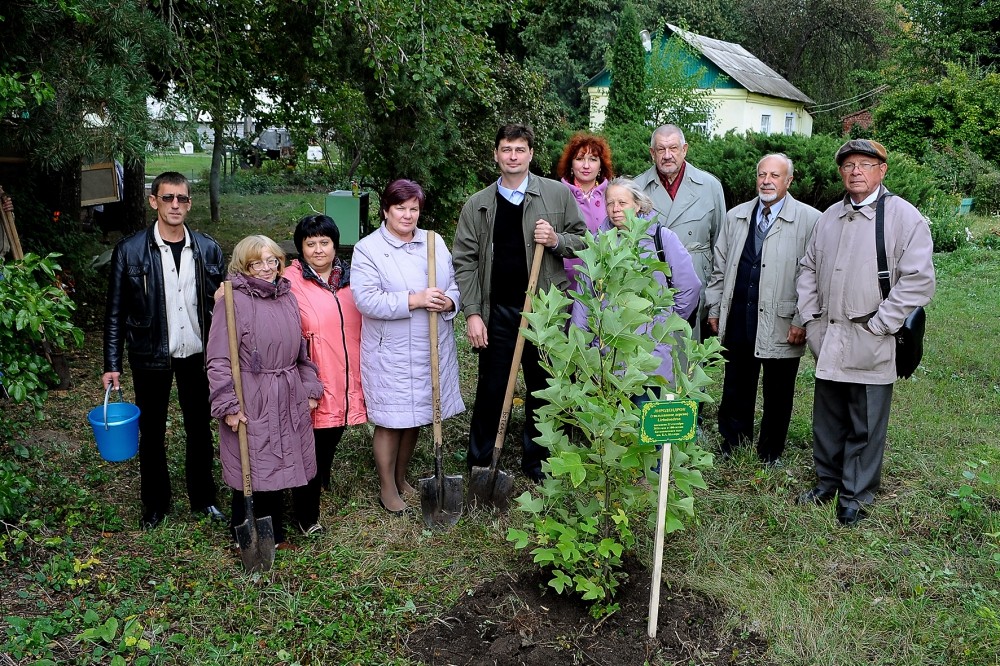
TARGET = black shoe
(849,516)
(398,512)
(816,496)
(212,512)
(151,520)
(536,476)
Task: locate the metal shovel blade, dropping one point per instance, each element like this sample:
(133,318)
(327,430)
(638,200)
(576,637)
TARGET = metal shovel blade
(441,500)
(256,540)
(491,486)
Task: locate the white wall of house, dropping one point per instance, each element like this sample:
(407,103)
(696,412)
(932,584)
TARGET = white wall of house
(736,109)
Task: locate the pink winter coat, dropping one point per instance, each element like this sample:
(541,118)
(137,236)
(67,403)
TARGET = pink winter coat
(594,211)
(395,341)
(331,326)
(278,380)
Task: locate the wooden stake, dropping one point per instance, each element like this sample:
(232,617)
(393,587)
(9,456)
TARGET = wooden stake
(661,514)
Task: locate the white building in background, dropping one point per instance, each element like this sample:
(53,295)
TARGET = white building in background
(748,95)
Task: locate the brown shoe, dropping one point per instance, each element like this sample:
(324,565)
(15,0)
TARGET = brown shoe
(285,545)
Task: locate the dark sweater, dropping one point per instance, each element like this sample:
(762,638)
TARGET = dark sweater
(509,280)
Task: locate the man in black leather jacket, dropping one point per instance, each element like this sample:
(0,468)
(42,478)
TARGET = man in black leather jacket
(160,303)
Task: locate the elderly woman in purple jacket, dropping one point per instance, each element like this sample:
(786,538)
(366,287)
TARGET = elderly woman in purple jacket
(280,387)
(624,195)
(390,284)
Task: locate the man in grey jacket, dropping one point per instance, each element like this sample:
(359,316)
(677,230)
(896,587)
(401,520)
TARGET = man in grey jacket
(496,234)
(849,326)
(751,301)
(689,201)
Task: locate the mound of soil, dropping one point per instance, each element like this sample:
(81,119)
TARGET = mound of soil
(519,620)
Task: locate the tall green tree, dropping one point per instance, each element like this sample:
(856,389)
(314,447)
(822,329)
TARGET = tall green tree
(674,85)
(90,62)
(941,31)
(220,64)
(566,41)
(627,99)
(829,49)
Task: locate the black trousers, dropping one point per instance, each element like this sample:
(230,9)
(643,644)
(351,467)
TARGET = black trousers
(494,369)
(327,440)
(739,401)
(305,508)
(152,397)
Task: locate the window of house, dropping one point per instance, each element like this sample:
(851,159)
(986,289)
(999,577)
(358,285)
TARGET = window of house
(789,122)
(765,123)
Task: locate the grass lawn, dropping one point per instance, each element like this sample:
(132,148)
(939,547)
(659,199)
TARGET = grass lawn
(193,166)
(917,583)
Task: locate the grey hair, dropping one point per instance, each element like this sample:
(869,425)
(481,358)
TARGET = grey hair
(667,130)
(642,201)
(788,161)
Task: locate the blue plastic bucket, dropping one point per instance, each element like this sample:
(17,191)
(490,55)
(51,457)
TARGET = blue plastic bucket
(116,428)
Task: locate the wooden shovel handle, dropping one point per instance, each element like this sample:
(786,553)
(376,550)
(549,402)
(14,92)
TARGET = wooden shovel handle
(508,398)
(234,363)
(435,352)
(11,231)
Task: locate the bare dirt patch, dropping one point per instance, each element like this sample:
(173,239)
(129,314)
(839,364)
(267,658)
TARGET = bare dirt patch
(518,620)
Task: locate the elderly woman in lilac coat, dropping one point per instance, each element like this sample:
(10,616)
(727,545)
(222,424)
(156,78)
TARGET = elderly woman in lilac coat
(280,387)
(624,195)
(390,284)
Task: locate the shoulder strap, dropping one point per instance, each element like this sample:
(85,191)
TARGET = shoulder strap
(658,241)
(883,264)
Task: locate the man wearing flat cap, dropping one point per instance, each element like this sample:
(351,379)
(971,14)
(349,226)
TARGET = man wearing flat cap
(850,326)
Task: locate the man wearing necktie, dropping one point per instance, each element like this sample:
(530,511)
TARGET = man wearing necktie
(850,326)
(751,307)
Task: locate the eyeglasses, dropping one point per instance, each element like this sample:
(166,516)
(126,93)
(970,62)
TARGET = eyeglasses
(169,198)
(260,266)
(848,167)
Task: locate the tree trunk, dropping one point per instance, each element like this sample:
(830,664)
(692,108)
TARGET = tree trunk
(218,154)
(135,209)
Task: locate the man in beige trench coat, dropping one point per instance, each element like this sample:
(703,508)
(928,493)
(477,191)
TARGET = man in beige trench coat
(849,326)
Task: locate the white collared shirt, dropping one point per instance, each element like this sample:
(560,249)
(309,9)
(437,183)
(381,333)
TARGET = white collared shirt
(180,293)
(515,196)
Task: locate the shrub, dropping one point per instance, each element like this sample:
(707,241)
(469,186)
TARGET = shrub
(948,230)
(601,491)
(987,194)
(33,312)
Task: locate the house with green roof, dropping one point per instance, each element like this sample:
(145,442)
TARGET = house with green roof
(747,94)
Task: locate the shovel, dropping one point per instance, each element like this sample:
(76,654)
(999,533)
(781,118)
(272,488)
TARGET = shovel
(490,486)
(255,537)
(440,495)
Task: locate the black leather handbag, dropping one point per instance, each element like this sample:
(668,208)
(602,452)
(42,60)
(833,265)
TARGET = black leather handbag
(910,336)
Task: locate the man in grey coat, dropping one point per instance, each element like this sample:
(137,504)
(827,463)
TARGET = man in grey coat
(850,327)
(494,242)
(689,201)
(751,302)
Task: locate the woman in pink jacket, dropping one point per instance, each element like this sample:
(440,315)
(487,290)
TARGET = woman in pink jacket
(331,326)
(585,168)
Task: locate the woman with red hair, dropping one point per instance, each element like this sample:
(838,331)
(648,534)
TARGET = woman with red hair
(585,168)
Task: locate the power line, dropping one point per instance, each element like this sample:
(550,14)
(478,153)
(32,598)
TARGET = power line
(840,104)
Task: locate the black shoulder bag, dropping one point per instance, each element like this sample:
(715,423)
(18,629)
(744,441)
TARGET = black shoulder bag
(910,337)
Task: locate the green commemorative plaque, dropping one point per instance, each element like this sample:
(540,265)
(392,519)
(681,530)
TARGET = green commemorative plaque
(669,421)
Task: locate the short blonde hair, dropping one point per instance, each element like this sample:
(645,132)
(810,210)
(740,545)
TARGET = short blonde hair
(250,249)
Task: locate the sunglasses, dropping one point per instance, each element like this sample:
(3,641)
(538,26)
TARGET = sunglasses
(169,198)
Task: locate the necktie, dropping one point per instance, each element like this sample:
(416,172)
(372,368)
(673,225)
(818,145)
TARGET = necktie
(765,219)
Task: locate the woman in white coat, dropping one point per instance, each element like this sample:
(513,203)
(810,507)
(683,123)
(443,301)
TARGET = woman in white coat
(390,284)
